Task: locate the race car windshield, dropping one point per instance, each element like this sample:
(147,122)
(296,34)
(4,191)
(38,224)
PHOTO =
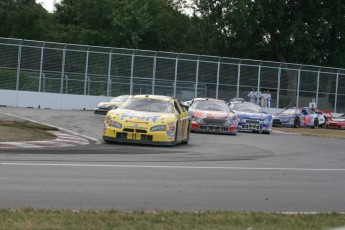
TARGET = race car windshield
(246,107)
(148,105)
(211,105)
(291,111)
(119,99)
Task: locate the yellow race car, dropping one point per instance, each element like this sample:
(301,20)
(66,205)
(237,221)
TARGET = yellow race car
(148,119)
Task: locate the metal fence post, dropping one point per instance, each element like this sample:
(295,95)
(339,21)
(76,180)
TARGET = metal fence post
(218,71)
(278,85)
(18,65)
(18,69)
(86,70)
(109,84)
(175,75)
(63,69)
(336,91)
(154,73)
(197,78)
(238,79)
(132,73)
(317,86)
(298,85)
(41,66)
(259,79)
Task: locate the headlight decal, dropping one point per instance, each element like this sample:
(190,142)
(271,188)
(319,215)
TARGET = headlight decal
(115,124)
(158,128)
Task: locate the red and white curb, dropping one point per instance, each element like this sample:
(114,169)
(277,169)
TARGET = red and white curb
(62,140)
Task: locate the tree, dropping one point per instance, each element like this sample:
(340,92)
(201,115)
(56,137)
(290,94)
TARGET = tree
(23,19)
(102,22)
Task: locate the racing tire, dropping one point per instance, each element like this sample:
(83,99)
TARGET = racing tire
(186,141)
(324,124)
(316,123)
(296,123)
(176,132)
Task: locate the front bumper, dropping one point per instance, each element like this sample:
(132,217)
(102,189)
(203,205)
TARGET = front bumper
(214,129)
(101,110)
(153,138)
(253,127)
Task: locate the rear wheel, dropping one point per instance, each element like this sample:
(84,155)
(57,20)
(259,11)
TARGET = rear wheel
(296,123)
(188,133)
(176,132)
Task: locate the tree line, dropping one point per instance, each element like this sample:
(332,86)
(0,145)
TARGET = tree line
(308,32)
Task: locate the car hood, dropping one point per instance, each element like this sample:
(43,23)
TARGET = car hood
(140,117)
(108,104)
(258,116)
(212,114)
(338,119)
(282,115)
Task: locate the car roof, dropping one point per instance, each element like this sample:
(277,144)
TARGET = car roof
(206,99)
(155,97)
(241,102)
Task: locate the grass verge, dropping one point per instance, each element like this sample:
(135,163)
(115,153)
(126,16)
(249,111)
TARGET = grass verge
(49,219)
(24,131)
(320,132)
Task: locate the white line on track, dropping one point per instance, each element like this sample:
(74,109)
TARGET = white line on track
(170,167)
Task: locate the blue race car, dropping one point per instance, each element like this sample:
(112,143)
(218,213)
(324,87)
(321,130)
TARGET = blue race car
(251,117)
(298,117)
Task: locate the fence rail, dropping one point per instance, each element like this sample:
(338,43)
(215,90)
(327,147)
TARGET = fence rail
(40,66)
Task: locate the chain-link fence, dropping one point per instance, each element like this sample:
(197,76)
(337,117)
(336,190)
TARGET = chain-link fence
(88,70)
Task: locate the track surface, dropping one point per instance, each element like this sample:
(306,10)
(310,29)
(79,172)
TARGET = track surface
(249,172)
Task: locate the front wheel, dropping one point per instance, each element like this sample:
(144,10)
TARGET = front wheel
(316,123)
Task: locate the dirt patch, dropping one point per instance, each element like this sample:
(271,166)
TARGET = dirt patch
(320,132)
(24,131)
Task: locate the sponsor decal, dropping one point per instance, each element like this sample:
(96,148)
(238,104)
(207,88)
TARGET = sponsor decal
(140,117)
(170,134)
(135,127)
(210,115)
(171,126)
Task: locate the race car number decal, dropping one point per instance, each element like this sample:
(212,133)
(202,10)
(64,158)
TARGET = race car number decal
(144,117)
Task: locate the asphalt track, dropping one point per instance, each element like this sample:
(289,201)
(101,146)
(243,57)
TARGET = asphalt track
(249,172)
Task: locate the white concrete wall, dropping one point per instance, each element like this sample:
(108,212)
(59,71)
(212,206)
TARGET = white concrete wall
(49,100)
(27,99)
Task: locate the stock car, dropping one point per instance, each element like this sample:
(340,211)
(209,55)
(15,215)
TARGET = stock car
(104,107)
(148,119)
(212,116)
(326,113)
(298,117)
(251,117)
(336,123)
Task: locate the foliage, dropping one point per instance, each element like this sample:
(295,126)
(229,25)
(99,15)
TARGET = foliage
(306,32)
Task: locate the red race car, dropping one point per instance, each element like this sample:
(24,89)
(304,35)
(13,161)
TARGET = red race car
(336,123)
(326,113)
(212,116)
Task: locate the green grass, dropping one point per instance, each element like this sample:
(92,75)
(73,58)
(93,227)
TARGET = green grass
(64,219)
(26,124)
